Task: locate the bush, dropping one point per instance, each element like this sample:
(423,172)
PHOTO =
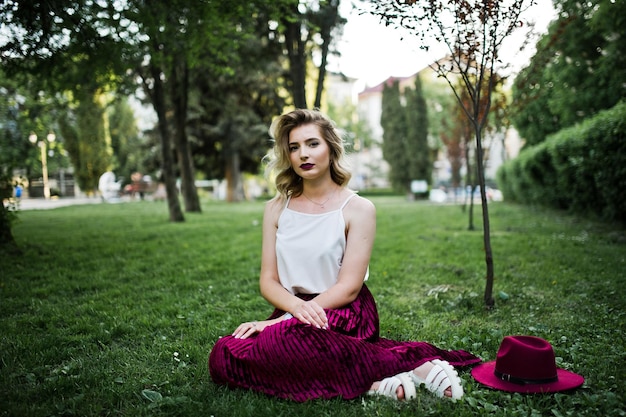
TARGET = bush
(379,192)
(581,168)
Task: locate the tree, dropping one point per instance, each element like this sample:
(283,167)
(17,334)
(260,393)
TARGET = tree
(231,111)
(329,23)
(451,135)
(447,123)
(174,39)
(306,27)
(201,39)
(472,32)
(466,130)
(404,120)
(173,33)
(421,165)
(67,42)
(24,110)
(117,42)
(393,122)
(495,125)
(128,148)
(573,73)
(11,151)
(114,44)
(357,132)
(85,128)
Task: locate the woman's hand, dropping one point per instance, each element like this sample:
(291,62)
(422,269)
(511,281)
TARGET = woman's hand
(247,329)
(309,312)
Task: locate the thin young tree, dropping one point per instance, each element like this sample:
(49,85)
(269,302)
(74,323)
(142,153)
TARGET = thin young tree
(472,33)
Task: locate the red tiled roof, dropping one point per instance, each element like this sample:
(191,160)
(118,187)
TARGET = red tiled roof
(389,81)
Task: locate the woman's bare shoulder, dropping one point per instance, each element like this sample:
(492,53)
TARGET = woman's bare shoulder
(273,208)
(361,206)
(363,202)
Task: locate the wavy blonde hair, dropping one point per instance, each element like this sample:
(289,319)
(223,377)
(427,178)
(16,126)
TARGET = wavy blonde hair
(278,163)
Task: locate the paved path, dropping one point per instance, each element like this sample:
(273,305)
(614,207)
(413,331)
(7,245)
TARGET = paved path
(43,204)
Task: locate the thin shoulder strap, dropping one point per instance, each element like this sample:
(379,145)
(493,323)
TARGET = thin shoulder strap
(287,202)
(347,200)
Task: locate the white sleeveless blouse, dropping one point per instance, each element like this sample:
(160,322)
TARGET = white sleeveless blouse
(310,249)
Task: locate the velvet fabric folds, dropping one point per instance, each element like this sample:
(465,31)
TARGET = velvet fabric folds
(295,361)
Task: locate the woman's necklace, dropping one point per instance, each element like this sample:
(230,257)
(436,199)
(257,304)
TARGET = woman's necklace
(321,205)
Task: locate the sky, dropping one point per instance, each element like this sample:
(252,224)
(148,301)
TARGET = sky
(371,52)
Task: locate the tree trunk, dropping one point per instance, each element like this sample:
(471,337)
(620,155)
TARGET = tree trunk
(158,101)
(296,52)
(471,184)
(330,15)
(234,183)
(6,235)
(488,297)
(179,88)
(321,76)
(470,212)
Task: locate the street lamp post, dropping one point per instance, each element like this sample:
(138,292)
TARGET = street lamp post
(44,159)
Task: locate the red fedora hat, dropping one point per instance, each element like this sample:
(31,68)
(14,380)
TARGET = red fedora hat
(526,364)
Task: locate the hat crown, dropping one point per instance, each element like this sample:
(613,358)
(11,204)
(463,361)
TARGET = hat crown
(526,358)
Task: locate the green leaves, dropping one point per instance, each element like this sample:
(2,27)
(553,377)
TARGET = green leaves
(152,396)
(580,168)
(572,76)
(157,400)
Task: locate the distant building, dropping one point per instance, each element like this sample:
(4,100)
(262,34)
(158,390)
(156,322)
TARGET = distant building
(369,167)
(340,89)
(369,170)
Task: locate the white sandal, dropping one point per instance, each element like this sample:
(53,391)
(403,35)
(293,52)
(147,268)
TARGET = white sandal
(389,386)
(441,377)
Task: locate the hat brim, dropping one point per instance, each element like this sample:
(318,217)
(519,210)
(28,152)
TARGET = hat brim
(567,380)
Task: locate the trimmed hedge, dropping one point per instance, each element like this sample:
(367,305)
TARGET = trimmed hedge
(581,168)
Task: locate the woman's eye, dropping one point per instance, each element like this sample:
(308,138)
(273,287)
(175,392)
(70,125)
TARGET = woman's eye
(314,144)
(293,148)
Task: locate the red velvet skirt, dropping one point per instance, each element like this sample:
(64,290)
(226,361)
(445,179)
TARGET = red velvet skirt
(301,362)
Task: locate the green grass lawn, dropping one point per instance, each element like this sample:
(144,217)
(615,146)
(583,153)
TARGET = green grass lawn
(112,310)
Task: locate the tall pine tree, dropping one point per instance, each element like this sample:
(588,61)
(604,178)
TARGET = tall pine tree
(420,167)
(393,122)
(404,120)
